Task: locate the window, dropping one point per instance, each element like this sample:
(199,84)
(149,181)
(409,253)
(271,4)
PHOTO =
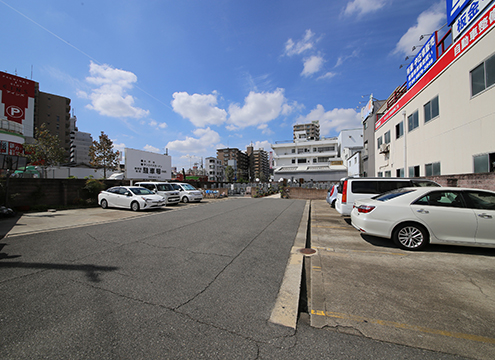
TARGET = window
(386,137)
(399,172)
(301,161)
(412,121)
(431,109)
(293,161)
(380,174)
(414,171)
(432,169)
(442,198)
(388,173)
(379,142)
(484,163)
(483,76)
(399,130)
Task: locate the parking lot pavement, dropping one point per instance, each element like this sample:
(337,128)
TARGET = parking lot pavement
(441,299)
(37,222)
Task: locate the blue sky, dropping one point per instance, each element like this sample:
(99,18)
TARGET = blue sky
(193,76)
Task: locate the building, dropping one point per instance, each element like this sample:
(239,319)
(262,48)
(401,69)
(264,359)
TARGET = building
(309,131)
(445,123)
(258,164)
(237,159)
(80,143)
(54,112)
(214,169)
(369,116)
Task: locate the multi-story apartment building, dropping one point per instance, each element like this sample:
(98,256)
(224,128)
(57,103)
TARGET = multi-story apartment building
(309,131)
(54,112)
(237,159)
(214,169)
(79,144)
(445,123)
(258,164)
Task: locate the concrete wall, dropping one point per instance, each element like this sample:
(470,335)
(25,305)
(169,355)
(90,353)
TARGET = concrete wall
(305,194)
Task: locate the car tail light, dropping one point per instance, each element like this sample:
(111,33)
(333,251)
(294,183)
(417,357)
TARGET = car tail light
(365,208)
(344,192)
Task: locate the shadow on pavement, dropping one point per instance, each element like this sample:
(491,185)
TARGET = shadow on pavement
(7,223)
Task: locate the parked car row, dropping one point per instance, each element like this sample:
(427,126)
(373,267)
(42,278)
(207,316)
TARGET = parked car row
(417,212)
(148,195)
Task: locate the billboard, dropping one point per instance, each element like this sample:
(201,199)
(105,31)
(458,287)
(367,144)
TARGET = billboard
(423,61)
(17,104)
(468,16)
(145,165)
(368,109)
(454,8)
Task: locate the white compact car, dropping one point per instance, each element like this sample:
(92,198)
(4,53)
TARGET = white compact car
(130,197)
(415,217)
(187,192)
(164,189)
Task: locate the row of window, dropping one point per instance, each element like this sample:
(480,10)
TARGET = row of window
(483,76)
(315,160)
(432,169)
(320,149)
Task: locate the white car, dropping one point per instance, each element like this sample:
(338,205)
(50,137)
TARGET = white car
(188,192)
(163,189)
(415,217)
(130,197)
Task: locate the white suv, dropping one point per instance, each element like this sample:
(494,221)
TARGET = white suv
(188,192)
(164,189)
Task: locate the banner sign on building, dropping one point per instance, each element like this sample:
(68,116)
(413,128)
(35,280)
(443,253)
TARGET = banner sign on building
(368,109)
(468,15)
(145,165)
(454,8)
(423,61)
(482,26)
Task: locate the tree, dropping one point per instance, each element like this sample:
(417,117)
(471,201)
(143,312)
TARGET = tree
(102,155)
(46,150)
(229,173)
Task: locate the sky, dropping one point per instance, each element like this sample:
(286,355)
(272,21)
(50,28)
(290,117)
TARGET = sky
(193,76)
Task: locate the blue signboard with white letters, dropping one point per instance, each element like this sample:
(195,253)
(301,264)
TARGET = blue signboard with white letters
(454,8)
(470,13)
(422,62)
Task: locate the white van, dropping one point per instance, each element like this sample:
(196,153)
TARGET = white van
(353,188)
(188,192)
(162,188)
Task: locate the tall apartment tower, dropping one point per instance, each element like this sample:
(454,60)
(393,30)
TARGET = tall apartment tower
(79,144)
(235,158)
(258,164)
(54,112)
(307,131)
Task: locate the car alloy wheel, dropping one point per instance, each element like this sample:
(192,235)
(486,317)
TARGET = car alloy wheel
(135,206)
(411,237)
(185,199)
(104,204)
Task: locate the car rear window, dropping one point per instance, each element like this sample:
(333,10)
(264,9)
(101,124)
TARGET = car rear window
(392,194)
(424,183)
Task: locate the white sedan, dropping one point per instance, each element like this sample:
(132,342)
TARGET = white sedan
(415,217)
(130,197)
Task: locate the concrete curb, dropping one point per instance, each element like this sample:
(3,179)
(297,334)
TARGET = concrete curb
(286,306)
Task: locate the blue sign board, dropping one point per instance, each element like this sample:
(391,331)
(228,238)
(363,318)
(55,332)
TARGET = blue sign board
(454,8)
(423,61)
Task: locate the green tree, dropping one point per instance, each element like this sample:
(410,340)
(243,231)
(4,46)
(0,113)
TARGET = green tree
(46,149)
(102,155)
(229,173)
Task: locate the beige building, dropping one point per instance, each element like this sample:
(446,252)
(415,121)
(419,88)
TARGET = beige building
(445,123)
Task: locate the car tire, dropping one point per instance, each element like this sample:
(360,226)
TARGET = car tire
(135,206)
(104,204)
(333,204)
(411,236)
(185,199)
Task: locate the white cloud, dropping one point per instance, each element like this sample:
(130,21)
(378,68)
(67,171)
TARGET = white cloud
(258,109)
(151,148)
(204,141)
(328,75)
(428,22)
(361,7)
(296,48)
(119,147)
(109,97)
(334,120)
(343,59)
(312,65)
(158,125)
(199,109)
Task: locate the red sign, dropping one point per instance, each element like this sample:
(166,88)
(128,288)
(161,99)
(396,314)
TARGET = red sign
(480,28)
(11,148)
(15,93)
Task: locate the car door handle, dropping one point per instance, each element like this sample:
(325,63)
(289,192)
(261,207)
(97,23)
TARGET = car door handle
(423,211)
(485,216)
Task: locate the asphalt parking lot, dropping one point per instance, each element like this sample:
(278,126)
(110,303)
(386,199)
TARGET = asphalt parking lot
(442,298)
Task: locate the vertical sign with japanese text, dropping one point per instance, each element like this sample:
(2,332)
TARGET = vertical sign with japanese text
(423,61)
(468,16)
(454,8)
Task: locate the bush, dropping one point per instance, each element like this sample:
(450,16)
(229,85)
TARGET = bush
(93,188)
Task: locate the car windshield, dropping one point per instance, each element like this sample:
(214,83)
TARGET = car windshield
(188,187)
(392,194)
(164,187)
(141,191)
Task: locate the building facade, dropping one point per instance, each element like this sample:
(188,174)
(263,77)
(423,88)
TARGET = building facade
(445,123)
(237,159)
(309,131)
(258,164)
(79,144)
(215,169)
